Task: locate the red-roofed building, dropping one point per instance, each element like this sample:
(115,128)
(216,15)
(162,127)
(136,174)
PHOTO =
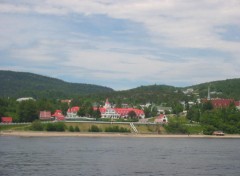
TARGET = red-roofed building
(45,115)
(58,115)
(108,112)
(162,118)
(72,112)
(222,103)
(6,119)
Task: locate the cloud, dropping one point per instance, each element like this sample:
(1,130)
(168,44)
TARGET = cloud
(138,41)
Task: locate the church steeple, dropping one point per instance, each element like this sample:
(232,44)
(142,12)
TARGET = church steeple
(208,97)
(107,104)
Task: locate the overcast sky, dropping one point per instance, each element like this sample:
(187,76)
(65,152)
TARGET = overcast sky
(122,44)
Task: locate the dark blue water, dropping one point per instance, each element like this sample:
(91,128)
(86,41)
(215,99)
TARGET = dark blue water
(75,156)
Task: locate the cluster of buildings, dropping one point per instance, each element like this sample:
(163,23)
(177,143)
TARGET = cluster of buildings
(107,111)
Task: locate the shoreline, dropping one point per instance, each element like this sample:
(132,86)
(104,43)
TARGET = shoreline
(82,134)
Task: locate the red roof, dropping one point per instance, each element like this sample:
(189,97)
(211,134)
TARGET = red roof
(237,103)
(45,115)
(161,119)
(58,115)
(222,103)
(122,111)
(74,109)
(6,119)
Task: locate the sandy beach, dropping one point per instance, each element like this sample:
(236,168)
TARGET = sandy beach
(71,134)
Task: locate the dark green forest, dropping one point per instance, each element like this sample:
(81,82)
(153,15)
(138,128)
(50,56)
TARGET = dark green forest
(213,119)
(21,84)
(229,88)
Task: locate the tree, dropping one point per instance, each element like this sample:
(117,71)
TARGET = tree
(154,111)
(147,112)
(27,111)
(71,129)
(81,112)
(64,108)
(177,108)
(207,106)
(97,113)
(132,114)
(193,114)
(3,107)
(37,125)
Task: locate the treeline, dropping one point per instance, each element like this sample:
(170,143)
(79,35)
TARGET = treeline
(37,125)
(28,111)
(224,119)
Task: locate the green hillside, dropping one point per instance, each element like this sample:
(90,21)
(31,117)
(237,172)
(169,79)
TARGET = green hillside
(229,88)
(21,84)
(157,94)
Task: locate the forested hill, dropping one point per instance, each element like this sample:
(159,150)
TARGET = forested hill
(170,95)
(21,84)
(157,94)
(229,88)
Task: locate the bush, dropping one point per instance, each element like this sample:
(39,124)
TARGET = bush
(176,128)
(76,129)
(37,126)
(59,126)
(208,129)
(71,129)
(94,128)
(50,127)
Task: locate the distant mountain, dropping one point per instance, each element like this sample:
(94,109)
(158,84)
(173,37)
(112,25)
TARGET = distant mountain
(22,84)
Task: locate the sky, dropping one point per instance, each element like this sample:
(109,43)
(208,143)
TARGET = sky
(122,44)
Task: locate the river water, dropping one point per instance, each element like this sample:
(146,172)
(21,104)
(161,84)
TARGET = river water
(109,156)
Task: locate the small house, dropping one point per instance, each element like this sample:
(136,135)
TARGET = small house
(162,118)
(45,115)
(6,119)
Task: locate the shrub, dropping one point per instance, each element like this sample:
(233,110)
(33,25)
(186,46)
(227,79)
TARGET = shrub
(59,126)
(50,127)
(71,129)
(76,129)
(176,128)
(37,126)
(94,128)
(208,129)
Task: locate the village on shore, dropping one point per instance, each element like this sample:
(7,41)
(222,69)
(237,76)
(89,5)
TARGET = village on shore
(110,113)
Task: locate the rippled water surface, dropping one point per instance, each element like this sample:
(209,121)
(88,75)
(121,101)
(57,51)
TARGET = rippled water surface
(73,156)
